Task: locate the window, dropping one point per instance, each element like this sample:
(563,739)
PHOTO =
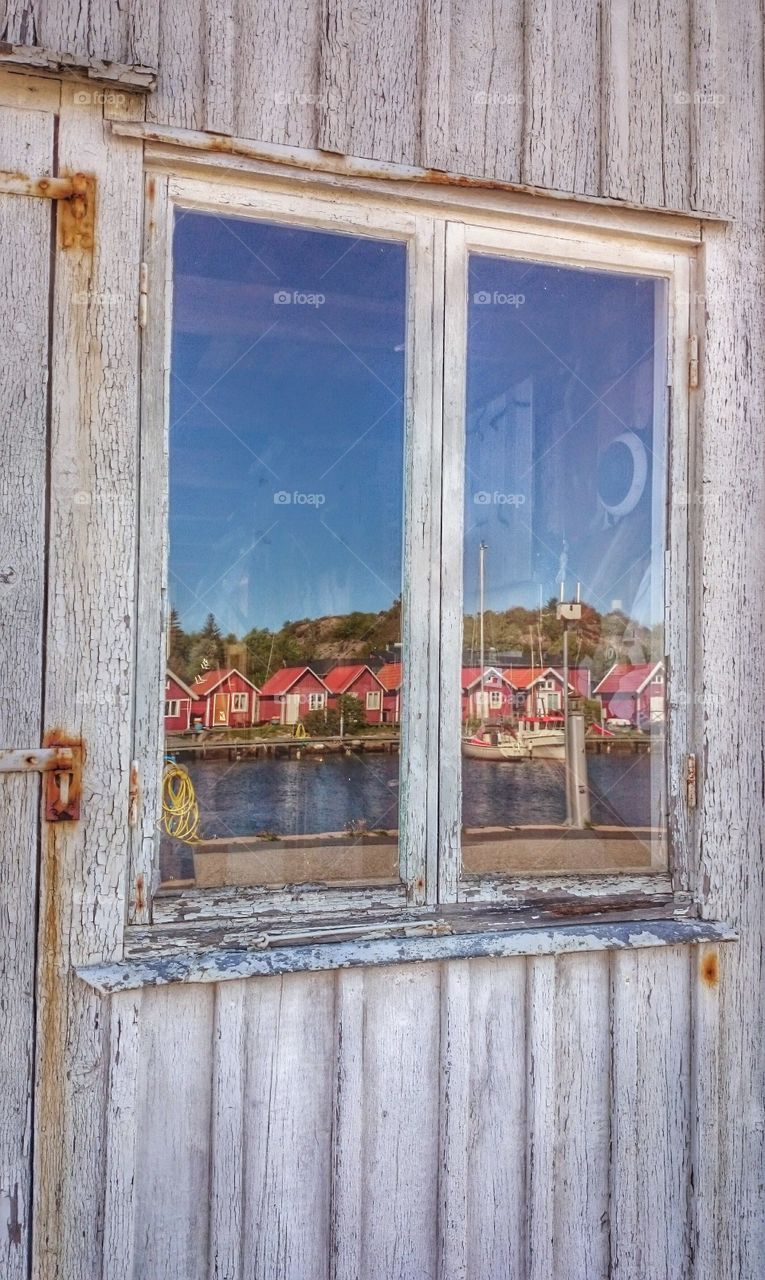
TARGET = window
(355,387)
(172,709)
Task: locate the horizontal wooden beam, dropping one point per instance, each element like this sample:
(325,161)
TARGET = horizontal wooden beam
(329,162)
(220,965)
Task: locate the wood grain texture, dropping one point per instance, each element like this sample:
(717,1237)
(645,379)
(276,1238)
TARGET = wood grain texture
(370,78)
(582,1119)
(650,1115)
(561,143)
(175,1084)
(729,1173)
(473,88)
(26,144)
(91,600)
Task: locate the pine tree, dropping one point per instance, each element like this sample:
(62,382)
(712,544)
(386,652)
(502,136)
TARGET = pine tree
(207,649)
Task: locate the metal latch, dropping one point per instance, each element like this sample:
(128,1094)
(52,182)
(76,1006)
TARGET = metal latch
(63,784)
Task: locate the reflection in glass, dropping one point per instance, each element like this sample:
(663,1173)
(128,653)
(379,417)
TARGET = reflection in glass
(283,691)
(563,705)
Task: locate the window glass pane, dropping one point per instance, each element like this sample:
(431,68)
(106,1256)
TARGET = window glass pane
(283,694)
(563,696)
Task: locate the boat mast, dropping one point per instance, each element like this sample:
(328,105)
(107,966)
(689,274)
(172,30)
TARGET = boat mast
(481,555)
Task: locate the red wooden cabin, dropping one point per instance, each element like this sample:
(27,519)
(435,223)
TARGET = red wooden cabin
(498,691)
(362,682)
(390,677)
(178,701)
(633,692)
(290,693)
(225,699)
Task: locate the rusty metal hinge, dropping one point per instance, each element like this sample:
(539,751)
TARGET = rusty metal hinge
(76,196)
(693,361)
(143,294)
(690,783)
(61,762)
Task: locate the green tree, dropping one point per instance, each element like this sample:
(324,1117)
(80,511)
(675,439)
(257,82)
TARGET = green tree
(207,649)
(178,648)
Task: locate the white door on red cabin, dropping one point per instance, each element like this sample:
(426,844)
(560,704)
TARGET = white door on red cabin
(292,708)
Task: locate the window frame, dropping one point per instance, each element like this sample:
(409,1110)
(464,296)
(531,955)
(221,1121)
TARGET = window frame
(622,240)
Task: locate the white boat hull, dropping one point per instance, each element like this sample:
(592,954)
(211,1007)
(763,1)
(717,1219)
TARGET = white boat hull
(509,750)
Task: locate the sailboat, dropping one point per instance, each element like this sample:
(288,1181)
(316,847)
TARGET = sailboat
(488,742)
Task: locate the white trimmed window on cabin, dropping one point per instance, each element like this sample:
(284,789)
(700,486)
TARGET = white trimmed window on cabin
(462,452)
(172,709)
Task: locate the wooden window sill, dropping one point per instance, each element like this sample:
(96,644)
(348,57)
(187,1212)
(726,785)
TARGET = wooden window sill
(220,963)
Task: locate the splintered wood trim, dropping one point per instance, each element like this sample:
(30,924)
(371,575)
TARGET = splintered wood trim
(320,162)
(217,966)
(34,58)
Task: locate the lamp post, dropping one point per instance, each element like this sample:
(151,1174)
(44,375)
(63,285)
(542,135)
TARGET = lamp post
(577,789)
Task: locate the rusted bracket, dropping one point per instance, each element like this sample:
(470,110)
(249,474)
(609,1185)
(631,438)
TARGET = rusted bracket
(76,193)
(62,763)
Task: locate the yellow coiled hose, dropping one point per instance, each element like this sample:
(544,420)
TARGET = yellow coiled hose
(180,810)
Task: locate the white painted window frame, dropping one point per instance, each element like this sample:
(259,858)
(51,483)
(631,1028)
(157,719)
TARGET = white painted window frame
(373,699)
(586,248)
(238,701)
(317,701)
(528,227)
(166,195)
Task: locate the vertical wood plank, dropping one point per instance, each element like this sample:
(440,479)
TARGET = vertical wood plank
(219,66)
(26,144)
(348,1127)
(172,1184)
(710,106)
(562,88)
(650,1036)
(660,98)
(541,1075)
(472,88)
(88,690)
(496,1188)
(582,1099)
(399,1177)
(229,1083)
(179,98)
(288,1127)
(615,175)
(370,79)
(455,1086)
(706,1140)
(123,1121)
(278,95)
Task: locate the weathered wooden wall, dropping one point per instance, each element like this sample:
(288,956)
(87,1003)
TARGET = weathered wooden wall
(545,1119)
